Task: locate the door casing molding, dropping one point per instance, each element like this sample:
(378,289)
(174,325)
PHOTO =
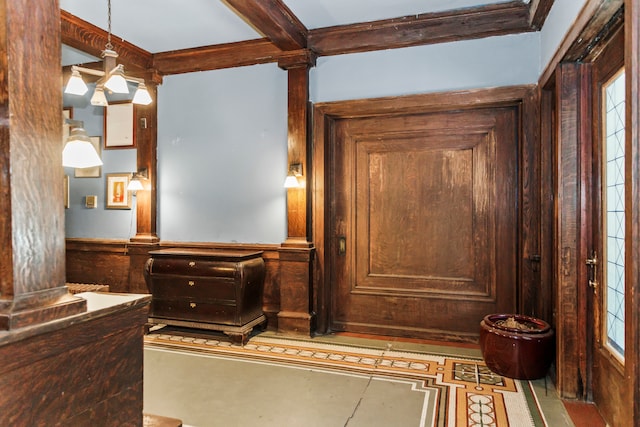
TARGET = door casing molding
(325,116)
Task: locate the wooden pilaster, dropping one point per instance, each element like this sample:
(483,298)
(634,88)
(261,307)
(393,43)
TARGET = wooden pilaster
(146,238)
(573,156)
(532,292)
(146,119)
(296,254)
(297,141)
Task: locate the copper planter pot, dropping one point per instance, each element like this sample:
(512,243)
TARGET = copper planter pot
(515,353)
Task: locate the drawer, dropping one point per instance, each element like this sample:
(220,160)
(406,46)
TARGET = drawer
(197,288)
(194,311)
(192,267)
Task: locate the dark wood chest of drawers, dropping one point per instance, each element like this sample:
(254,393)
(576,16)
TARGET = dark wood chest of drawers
(210,289)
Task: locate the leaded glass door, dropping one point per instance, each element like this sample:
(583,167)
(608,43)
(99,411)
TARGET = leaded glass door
(609,195)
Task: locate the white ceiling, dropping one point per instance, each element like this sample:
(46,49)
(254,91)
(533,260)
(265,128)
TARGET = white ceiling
(163,25)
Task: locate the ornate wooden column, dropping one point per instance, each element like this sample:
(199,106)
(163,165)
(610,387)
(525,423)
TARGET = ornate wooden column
(32,259)
(296,253)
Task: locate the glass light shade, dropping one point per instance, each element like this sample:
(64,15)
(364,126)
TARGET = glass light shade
(98,98)
(135,185)
(79,152)
(116,82)
(142,96)
(291,182)
(75,85)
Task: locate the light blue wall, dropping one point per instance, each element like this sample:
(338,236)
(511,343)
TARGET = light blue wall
(100,222)
(222,156)
(489,62)
(222,135)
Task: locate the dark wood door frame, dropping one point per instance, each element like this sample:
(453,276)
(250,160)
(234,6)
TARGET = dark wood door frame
(632,65)
(579,45)
(571,158)
(525,98)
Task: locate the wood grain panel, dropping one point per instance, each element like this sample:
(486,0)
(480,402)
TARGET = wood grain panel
(427,206)
(548,286)
(98,261)
(35,214)
(410,188)
(328,119)
(535,296)
(32,261)
(572,101)
(89,365)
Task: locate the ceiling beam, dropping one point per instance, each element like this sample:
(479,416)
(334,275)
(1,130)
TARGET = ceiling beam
(538,12)
(88,38)
(287,36)
(429,28)
(274,20)
(228,55)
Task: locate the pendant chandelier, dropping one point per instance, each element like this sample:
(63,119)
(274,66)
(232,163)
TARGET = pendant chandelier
(112,77)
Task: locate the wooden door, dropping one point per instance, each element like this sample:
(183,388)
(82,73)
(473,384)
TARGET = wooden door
(425,222)
(608,260)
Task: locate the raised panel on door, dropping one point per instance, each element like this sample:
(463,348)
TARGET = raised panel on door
(426,207)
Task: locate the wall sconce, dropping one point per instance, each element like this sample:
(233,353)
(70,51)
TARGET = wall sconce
(294,177)
(78,151)
(135,184)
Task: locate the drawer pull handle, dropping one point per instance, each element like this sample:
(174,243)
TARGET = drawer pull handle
(192,263)
(192,305)
(191,283)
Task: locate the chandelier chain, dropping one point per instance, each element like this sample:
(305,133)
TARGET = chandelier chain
(109,46)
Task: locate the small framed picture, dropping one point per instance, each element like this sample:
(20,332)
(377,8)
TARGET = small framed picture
(117,195)
(93,172)
(66,192)
(118,126)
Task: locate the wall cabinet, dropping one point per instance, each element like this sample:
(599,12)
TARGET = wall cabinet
(210,289)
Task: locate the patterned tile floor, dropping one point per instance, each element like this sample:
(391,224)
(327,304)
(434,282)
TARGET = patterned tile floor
(391,356)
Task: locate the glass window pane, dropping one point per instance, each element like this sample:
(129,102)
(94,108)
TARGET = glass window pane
(613,203)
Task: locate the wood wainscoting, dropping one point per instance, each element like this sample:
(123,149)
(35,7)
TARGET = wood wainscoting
(120,264)
(98,261)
